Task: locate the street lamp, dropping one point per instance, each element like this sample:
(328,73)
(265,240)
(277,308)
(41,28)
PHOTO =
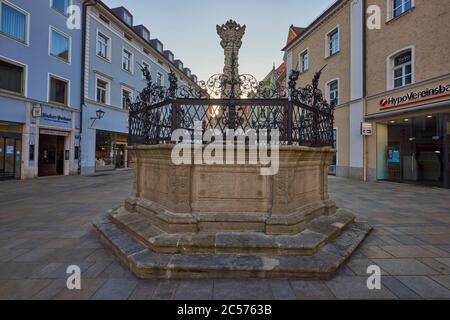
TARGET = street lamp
(100,114)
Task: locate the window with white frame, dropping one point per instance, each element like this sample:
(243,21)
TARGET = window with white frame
(145,65)
(60,5)
(103,46)
(12,77)
(399,7)
(333,89)
(14,22)
(304,60)
(403,72)
(127,60)
(127,96)
(58,90)
(160,79)
(102,91)
(333,42)
(146,34)
(128,19)
(59,45)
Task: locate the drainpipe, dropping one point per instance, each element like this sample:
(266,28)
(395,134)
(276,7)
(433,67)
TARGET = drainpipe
(365,149)
(86,4)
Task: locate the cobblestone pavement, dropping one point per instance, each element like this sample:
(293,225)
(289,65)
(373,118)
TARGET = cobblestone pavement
(45,225)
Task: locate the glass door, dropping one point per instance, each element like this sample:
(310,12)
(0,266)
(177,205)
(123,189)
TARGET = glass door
(9,157)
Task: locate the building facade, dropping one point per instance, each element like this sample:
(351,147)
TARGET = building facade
(390,84)
(40,76)
(115,51)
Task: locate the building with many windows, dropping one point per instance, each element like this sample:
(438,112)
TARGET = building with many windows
(40,76)
(391,85)
(115,51)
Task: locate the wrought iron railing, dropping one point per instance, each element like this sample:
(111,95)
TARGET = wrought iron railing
(300,116)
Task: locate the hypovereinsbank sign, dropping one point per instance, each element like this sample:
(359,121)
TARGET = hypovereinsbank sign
(415,97)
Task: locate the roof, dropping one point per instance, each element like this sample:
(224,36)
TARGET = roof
(333,6)
(161,54)
(293,33)
(281,68)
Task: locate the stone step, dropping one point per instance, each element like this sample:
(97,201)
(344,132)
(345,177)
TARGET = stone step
(316,234)
(146,263)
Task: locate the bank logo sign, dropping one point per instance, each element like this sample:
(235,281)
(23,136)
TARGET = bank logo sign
(424,95)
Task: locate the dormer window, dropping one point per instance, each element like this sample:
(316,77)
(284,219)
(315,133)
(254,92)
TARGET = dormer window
(145,34)
(159,47)
(128,18)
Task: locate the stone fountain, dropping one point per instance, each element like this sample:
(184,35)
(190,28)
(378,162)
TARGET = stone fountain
(202,220)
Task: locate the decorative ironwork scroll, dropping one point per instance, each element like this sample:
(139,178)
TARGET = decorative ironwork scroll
(231,101)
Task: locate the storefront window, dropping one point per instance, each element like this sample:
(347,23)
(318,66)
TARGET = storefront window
(110,152)
(104,151)
(413,150)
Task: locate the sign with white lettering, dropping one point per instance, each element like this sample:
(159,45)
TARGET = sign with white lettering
(416,97)
(56,117)
(366,129)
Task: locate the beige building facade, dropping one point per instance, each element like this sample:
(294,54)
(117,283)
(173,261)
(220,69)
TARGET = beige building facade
(391,85)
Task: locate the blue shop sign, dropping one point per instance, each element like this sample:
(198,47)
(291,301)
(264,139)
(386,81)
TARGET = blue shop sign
(55,117)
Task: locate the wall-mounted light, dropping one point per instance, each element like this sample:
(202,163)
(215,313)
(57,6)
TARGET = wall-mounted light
(99,115)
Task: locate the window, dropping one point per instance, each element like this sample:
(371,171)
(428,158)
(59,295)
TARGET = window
(128,19)
(333,89)
(61,6)
(14,22)
(401,6)
(333,42)
(12,77)
(59,45)
(146,34)
(403,69)
(126,98)
(103,46)
(58,91)
(127,58)
(145,65)
(160,79)
(102,91)
(304,61)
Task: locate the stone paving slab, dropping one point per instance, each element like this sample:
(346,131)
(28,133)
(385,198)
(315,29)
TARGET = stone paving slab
(43,221)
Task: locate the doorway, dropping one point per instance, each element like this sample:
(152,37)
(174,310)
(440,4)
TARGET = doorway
(10,156)
(51,155)
(120,155)
(415,151)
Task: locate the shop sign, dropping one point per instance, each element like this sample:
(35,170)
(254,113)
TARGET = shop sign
(366,129)
(56,117)
(416,97)
(37,111)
